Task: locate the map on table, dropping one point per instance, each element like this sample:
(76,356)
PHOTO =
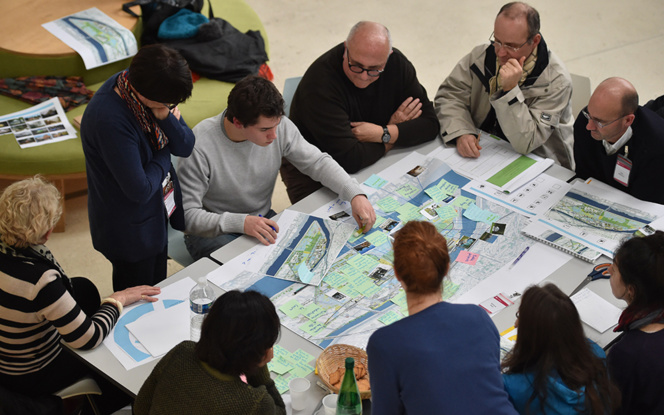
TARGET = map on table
(359,294)
(599,218)
(306,247)
(95,36)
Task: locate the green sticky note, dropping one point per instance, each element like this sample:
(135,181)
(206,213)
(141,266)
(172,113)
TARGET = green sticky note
(400,299)
(379,221)
(355,236)
(301,369)
(313,311)
(363,262)
(312,327)
(282,384)
(435,193)
(292,308)
(388,204)
(377,238)
(447,187)
(408,212)
(408,191)
(350,271)
(348,291)
(375,181)
(389,317)
(462,202)
(279,351)
(510,171)
(279,365)
(446,212)
(301,356)
(334,279)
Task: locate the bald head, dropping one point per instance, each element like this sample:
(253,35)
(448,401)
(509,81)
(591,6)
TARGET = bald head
(370,33)
(612,104)
(619,92)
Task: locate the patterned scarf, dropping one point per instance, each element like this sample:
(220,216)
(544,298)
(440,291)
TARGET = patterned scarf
(631,320)
(528,66)
(144,116)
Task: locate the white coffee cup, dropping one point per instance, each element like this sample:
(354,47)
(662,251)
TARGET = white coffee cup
(298,391)
(330,404)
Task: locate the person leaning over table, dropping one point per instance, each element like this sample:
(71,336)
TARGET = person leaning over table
(356,102)
(443,358)
(635,361)
(553,368)
(205,377)
(515,88)
(620,143)
(41,306)
(228,181)
(130,129)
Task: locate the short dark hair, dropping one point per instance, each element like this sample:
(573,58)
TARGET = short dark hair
(240,328)
(160,74)
(551,340)
(420,257)
(253,97)
(526,10)
(640,262)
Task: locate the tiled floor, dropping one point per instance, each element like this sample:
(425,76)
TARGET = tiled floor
(594,38)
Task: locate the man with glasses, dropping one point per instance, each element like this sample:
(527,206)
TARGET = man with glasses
(619,142)
(514,88)
(356,102)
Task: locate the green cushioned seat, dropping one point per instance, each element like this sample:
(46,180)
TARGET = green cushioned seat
(66,157)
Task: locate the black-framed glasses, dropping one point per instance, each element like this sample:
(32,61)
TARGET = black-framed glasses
(358,69)
(170,106)
(497,44)
(598,123)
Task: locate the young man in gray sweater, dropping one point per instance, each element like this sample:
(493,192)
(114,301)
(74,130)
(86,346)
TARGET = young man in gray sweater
(228,180)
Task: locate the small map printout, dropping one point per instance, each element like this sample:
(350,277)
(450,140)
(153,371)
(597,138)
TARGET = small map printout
(95,36)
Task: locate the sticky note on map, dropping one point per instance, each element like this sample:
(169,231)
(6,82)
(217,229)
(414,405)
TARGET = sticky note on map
(447,187)
(473,212)
(462,201)
(390,317)
(377,238)
(467,257)
(311,327)
(313,311)
(375,181)
(435,193)
(408,191)
(292,309)
(388,204)
(446,212)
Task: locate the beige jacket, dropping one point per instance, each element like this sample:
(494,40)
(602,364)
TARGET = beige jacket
(535,117)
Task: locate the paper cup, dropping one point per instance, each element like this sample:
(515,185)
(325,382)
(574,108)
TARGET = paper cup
(330,404)
(298,391)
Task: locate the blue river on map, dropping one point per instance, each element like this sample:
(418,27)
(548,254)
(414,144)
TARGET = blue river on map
(598,205)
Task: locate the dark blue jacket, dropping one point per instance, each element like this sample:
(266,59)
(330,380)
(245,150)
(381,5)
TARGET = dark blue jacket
(125,199)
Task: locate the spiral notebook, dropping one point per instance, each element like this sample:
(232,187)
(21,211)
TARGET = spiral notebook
(541,233)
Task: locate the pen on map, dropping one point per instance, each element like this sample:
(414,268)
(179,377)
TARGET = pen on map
(260,216)
(300,289)
(519,257)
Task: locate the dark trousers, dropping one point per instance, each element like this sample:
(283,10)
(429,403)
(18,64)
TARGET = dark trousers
(66,368)
(149,271)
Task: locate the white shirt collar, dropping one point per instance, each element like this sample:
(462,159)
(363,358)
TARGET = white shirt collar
(613,148)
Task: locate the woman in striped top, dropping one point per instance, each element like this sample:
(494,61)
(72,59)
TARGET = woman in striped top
(40,305)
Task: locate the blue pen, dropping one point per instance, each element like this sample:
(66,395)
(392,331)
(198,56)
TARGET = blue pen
(260,216)
(519,257)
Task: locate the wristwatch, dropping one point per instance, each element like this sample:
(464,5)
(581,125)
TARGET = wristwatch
(386,136)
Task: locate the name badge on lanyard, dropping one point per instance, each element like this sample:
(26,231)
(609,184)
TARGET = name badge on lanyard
(169,194)
(623,168)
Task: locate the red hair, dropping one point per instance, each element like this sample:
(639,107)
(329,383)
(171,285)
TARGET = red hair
(421,259)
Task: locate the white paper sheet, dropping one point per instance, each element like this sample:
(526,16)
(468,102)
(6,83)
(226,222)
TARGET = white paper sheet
(596,311)
(163,329)
(45,123)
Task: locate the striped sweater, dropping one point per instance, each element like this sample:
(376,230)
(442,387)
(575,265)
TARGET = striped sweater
(37,311)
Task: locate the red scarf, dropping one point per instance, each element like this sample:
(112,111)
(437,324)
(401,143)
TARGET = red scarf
(632,320)
(144,116)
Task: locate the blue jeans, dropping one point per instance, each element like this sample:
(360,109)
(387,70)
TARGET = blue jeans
(201,247)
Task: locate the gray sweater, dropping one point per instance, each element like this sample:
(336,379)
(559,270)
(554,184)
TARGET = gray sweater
(224,181)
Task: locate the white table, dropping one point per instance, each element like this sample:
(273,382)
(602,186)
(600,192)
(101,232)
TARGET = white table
(567,278)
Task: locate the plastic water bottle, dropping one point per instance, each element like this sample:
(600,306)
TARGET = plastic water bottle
(201,298)
(349,402)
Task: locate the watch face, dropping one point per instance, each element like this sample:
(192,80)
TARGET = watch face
(386,136)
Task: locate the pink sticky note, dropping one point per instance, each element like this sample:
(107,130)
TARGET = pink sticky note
(467,257)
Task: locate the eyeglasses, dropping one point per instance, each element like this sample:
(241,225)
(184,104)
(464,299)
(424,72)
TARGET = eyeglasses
(358,69)
(170,106)
(598,123)
(496,44)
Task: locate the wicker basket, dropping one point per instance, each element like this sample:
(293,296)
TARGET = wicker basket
(334,357)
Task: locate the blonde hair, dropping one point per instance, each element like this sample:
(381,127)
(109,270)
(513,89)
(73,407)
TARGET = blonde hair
(28,210)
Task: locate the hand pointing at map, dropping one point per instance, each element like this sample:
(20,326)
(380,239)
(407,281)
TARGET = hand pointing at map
(363,212)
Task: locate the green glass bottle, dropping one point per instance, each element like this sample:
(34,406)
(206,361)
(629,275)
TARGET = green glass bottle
(349,402)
